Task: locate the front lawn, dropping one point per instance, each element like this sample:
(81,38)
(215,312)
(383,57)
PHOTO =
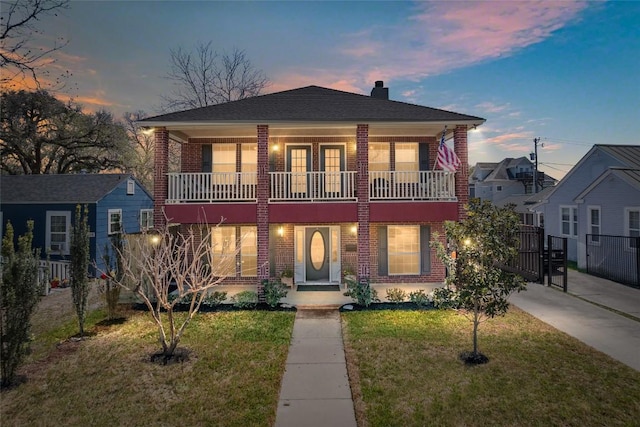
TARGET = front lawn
(232,379)
(405,371)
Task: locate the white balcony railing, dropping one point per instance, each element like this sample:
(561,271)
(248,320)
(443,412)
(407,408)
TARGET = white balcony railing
(422,185)
(211,187)
(310,186)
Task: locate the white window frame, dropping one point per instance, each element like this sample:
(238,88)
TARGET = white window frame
(573,221)
(627,223)
(67,215)
(591,227)
(416,254)
(146,219)
(110,212)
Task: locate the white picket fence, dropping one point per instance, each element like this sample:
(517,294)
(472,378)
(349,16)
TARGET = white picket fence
(57,270)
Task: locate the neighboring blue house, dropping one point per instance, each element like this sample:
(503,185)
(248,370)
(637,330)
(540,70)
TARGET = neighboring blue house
(116,202)
(599,195)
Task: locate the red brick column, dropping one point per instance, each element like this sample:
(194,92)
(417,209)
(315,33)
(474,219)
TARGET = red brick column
(160,180)
(462,175)
(263,203)
(362,147)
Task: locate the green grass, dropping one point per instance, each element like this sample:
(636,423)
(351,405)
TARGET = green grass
(405,371)
(232,379)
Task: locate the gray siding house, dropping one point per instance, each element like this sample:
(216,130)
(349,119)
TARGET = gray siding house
(599,195)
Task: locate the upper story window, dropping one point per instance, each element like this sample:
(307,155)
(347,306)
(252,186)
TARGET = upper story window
(58,232)
(379,158)
(569,221)
(224,158)
(115,221)
(131,187)
(406,155)
(249,163)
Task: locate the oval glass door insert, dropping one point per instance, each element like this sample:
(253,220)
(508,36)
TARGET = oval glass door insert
(317,251)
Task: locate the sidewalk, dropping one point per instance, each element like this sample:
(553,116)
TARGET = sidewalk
(315,387)
(602,329)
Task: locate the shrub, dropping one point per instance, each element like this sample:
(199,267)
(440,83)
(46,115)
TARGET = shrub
(274,291)
(19,296)
(419,297)
(444,298)
(396,295)
(214,299)
(361,292)
(245,299)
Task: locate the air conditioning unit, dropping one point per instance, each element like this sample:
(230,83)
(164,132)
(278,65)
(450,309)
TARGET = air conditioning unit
(57,247)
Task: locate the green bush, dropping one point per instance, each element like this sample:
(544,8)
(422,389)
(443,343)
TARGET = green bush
(274,291)
(245,299)
(214,299)
(445,298)
(396,295)
(419,297)
(361,292)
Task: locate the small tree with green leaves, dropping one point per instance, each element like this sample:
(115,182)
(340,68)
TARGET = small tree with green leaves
(79,251)
(478,246)
(19,296)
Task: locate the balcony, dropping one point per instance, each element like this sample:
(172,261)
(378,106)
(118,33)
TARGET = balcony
(310,186)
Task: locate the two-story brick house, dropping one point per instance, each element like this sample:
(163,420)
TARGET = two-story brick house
(316,180)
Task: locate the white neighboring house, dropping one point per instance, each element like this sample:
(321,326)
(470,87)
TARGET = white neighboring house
(509,177)
(599,195)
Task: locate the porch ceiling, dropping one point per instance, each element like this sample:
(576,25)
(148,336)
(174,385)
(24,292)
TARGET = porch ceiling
(184,131)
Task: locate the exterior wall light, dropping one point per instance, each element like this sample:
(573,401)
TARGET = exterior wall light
(281,231)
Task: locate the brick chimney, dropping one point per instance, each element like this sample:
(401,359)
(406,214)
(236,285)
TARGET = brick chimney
(379,91)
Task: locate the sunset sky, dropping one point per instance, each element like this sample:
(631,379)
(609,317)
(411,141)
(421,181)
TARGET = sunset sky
(567,72)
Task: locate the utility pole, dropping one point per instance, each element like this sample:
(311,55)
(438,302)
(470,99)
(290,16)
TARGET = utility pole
(535,171)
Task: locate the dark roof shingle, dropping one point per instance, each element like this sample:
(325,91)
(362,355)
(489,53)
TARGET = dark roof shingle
(72,188)
(313,103)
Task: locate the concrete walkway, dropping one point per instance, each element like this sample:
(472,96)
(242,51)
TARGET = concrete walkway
(315,387)
(602,329)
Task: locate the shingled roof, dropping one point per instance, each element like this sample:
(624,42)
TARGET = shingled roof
(313,103)
(72,188)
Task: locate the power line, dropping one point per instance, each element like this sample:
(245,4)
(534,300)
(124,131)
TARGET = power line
(568,141)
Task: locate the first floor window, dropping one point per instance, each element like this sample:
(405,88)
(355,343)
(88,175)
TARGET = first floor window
(569,221)
(249,252)
(632,224)
(115,221)
(146,219)
(404,249)
(223,242)
(594,223)
(58,232)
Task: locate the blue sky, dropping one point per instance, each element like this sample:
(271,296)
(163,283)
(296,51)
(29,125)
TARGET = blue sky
(567,72)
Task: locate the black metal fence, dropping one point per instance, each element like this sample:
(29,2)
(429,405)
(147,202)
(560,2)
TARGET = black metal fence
(530,263)
(556,262)
(615,258)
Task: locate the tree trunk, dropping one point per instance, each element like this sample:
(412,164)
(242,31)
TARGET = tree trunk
(475,330)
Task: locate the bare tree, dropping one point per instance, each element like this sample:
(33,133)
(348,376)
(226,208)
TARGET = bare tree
(153,264)
(204,77)
(139,159)
(39,134)
(20,57)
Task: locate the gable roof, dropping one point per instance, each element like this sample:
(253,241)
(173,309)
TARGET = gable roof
(630,176)
(312,103)
(627,155)
(68,188)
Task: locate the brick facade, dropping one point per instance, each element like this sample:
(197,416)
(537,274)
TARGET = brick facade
(160,180)
(362,143)
(462,174)
(263,202)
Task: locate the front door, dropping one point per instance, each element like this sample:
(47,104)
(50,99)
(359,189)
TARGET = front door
(317,254)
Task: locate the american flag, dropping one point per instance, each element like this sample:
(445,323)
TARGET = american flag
(447,158)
